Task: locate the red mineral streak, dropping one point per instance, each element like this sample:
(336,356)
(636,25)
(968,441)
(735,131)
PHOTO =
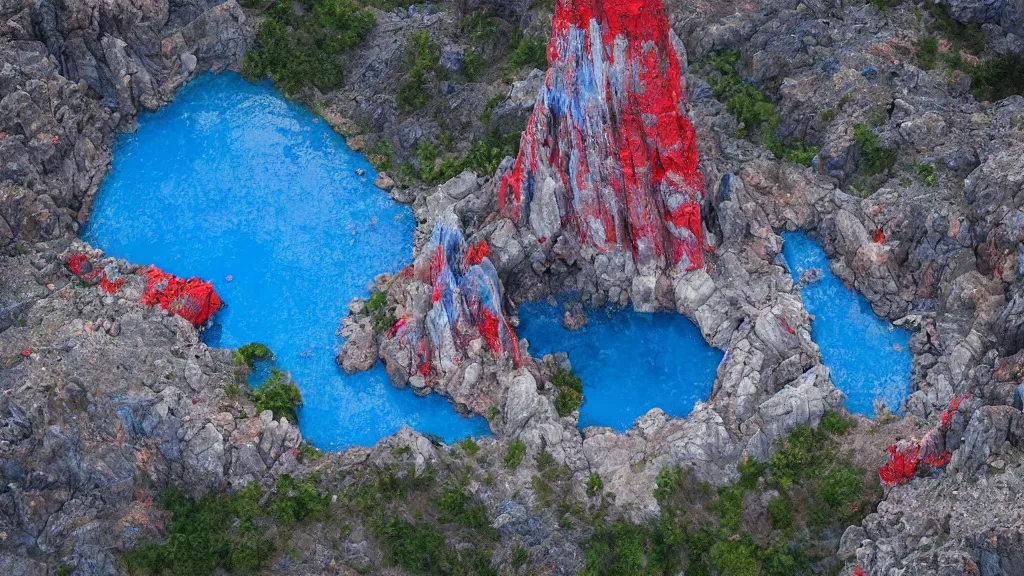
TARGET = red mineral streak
(931,450)
(477,253)
(609,145)
(193,300)
(109,278)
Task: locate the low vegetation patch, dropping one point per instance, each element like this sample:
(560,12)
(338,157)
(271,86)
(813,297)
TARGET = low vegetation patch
(992,79)
(716,531)
(424,528)
(875,158)
(279,395)
(514,454)
(295,50)
(225,532)
(569,397)
(250,354)
(753,109)
(421,61)
(382,317)
(492,45)
(999,77)
(470,447)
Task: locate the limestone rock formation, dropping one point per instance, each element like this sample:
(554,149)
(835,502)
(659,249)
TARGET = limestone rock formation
(608,162)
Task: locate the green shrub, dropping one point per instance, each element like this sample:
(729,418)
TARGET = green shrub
(295,51)
(927,172)
(531,51)
(793,459)
(470,447)
(751,472)
(618,549)
(730,507)
(421,61)
(382,318)
(753,109)
(797,152)
(567,401)
(474,63)
(514,454)
(387,5)
(418,548)
(927,52)
(484,155)
(835,423)
(378,300)
(250,354)
(379,152)
(876,159)
(217,532)
(455,506)
(309,453)
(780,512)
(297,501)
(707,527)
(566,379)
(999,77)
(842,486)
(735,558)
(485,30)
(417,545)
(433,172)
(570,392)
(412,94)
(966,36)
(594,484)
(520,557)
(279,395)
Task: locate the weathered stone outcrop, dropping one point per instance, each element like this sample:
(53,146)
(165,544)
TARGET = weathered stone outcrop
(72,73)
(607,172)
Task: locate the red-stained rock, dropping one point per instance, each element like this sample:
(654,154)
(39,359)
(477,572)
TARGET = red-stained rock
(193,300)
(609,156)
(931,450)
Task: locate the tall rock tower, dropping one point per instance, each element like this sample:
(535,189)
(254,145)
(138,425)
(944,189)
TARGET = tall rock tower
(608,162)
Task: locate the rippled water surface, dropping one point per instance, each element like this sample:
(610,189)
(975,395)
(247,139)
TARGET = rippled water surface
(231,180)
(629,362)
(868,356)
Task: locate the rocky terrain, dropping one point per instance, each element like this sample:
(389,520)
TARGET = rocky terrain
(904,161)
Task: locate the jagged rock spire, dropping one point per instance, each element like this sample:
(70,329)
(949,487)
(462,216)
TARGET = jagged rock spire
(609,157)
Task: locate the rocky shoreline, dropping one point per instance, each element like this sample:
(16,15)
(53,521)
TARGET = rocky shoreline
(107,403)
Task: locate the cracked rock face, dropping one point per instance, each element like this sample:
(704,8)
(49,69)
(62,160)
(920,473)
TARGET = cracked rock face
(608,162)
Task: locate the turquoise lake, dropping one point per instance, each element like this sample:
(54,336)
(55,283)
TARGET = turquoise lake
(629,362)
(232,180)
(868,356)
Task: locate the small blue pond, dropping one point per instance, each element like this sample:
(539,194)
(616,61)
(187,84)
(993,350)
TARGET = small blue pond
(868,356)
(233,180)
(629,362)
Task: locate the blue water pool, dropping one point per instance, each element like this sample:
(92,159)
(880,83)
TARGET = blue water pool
(231,180)
(629,362)
(868,356)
